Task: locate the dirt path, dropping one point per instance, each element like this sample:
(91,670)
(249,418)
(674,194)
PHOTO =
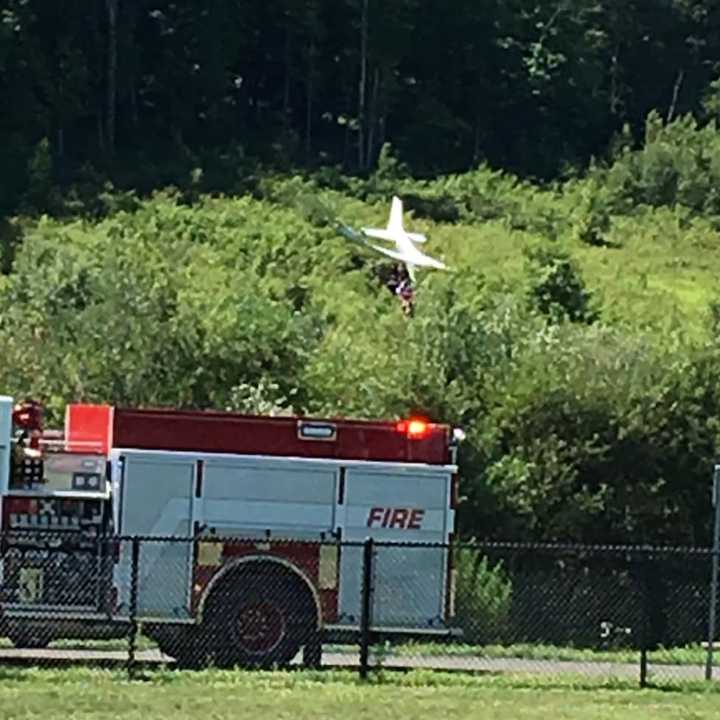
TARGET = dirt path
(631,671)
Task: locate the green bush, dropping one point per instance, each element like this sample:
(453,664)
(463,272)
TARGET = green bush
(168,305)
(678,164)
(10,239)
(483,595)
(591,218)
(557,288)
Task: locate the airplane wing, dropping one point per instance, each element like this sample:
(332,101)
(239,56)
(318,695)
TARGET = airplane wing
(423,260)
(390,253)
(417,237)
(390,236)
(415,258)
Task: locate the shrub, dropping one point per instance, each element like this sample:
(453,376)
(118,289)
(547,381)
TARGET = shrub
(677,165)
(482,599)
(557,288)
(10,238)
(591,219)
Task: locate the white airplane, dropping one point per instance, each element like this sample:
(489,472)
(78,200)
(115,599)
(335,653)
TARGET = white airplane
(405,250)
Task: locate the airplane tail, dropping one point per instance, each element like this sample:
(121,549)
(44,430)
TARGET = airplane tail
(395,223)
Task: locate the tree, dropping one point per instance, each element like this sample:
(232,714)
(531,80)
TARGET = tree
(557,288)
(112,18)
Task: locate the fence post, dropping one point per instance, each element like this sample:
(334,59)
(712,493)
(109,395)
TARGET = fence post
(133,631)
(713,574)
(366,607)
(641,573)
(644,638)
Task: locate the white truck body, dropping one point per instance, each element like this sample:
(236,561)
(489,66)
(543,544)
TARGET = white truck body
(160,495)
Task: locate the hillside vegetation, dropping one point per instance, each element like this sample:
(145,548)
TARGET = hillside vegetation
(574,339)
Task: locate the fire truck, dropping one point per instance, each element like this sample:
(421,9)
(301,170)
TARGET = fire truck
(238,534)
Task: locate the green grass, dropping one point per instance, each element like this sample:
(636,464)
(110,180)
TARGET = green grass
(142,643)
(92,695)
(690,655)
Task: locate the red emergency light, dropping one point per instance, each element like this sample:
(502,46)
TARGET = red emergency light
(414,428)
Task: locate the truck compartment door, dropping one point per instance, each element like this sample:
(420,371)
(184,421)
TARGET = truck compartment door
(245,498)
(397,505)
(156,502)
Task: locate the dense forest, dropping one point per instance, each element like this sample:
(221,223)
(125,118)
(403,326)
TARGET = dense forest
(143,92)
(172,176)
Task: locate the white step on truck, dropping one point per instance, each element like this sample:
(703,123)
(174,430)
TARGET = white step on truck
(232,539)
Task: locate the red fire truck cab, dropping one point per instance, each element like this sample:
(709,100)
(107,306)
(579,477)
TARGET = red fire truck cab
(231,538)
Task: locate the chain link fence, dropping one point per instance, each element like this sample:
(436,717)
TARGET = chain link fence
(594,612)
(635,614)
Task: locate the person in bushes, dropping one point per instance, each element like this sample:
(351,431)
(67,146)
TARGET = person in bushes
(400,284)
(406,293)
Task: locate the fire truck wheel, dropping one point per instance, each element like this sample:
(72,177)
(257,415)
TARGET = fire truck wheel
(260,618)
(28,639)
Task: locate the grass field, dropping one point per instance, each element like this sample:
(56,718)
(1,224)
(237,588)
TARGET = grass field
(92,694)
(690,655)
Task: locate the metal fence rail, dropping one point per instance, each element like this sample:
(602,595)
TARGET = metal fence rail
(601,612)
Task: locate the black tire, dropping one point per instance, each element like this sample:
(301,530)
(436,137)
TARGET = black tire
(259,617)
